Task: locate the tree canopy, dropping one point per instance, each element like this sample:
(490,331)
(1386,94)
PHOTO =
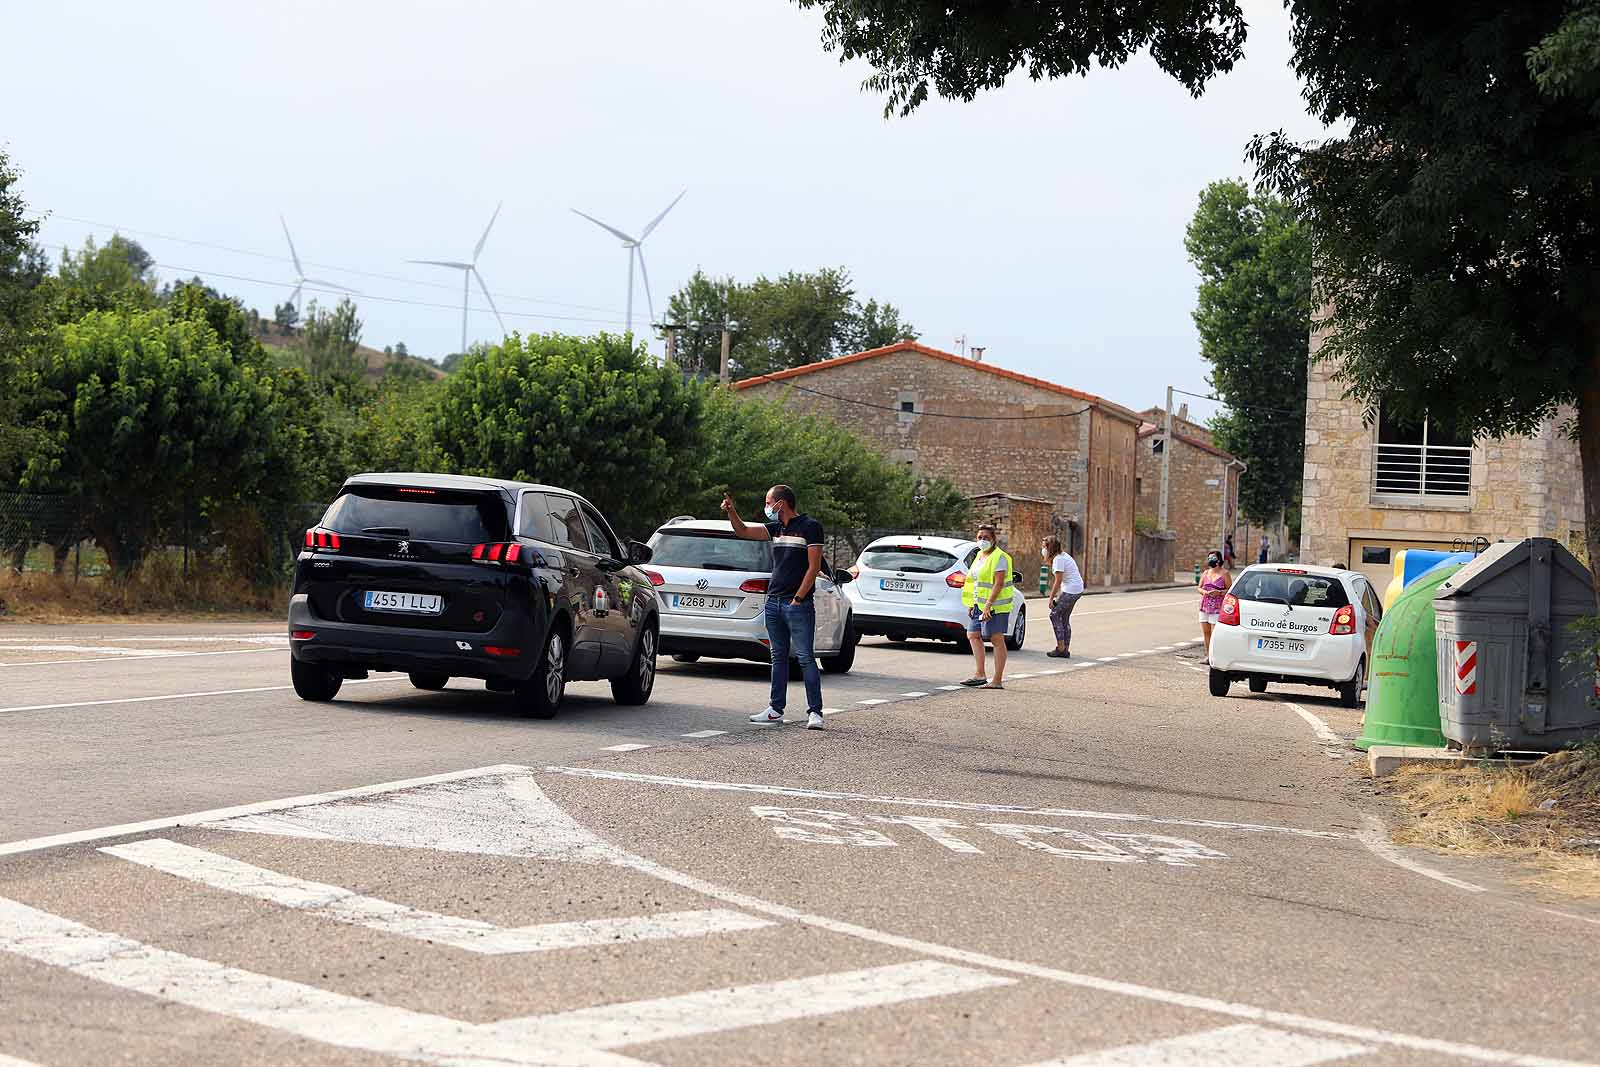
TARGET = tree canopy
(783,322)
(1253,314)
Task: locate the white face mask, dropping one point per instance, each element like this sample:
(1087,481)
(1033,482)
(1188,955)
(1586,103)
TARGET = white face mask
(985,544)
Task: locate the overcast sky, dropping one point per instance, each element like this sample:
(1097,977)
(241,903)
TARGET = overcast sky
(1044,221)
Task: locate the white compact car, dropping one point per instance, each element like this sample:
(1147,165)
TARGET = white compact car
(910,586)
(1284,622)
(712,591)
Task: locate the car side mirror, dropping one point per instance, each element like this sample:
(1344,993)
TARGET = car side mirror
(639,552)
(843,577)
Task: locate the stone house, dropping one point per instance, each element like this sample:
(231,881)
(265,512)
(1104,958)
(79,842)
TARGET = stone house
(1202,488)
(1045,442)
(1373,488)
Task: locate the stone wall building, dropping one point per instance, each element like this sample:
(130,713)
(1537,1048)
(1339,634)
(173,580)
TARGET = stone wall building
(1054,444)
(1202,488)
(1373,488)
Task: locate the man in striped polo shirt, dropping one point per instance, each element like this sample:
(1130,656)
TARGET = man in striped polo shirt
(791,614)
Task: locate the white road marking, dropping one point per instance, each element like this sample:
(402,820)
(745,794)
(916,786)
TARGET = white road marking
(951,688)
(713,1010)
(214,639)
(1376,837)
(346,906)
(183,696)
(1036,837)
(1324,733)
(1232,1046)
(303,1010)
(623,748)
(135,654)
(1019,677)
(952,805)
(1142,607)
(914,693)
(869,703)
(1107,659)
(1053,670)
(831,711)
(197,818)
(936,829)
(12,1061)
(719,733)
(95,650)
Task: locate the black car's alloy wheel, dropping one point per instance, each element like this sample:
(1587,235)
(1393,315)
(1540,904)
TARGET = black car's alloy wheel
(540,696)
(635,686)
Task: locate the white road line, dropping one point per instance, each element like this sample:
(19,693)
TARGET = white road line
(175,639)
(953,805)
(95,650)
(641,1021)
(1376,837)
(76,837)
(1142,607)
(869,703)
(1232,1046)
(135,655)
(914,693)
(1107,659)
(12,1061)
(623,748)
(1017,677)
(1324,733)
(831,711)
(346,906)
(719,733)
(950,688)
(303,1010)
(182,696)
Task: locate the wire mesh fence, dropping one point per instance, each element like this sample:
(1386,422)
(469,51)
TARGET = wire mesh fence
(40,531)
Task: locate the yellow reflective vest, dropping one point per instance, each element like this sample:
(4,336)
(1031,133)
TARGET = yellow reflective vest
(980,580)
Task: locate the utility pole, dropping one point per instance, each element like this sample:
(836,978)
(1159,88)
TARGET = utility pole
(1166,462)
(672,343)
(727,348)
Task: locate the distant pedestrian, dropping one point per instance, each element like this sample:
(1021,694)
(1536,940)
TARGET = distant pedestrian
(987,597)
(1066,586)
(1228,557)
(1214,584)
(1265,550)
(790,612)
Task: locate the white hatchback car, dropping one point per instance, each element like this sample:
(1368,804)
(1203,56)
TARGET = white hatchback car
(713,596)
(1284,622)
(910,586)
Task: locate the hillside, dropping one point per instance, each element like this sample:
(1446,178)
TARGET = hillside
(276,337)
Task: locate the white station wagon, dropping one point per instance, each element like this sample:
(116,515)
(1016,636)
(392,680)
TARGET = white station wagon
(1284,622)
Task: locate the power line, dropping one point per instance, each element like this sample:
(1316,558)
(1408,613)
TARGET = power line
(328,266)
(382,299)
(927,414)
(1241,407)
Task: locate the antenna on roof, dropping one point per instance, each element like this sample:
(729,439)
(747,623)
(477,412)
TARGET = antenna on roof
(961,343)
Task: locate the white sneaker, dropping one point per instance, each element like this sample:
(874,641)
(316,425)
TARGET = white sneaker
(814,721)
(767,718)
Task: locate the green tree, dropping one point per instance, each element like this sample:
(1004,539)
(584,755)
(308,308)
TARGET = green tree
(1253,314)
(117,274)
(1456,223)
(594,414)
(329,343)
(146,415)
(782,322)
(286,315)
(22,268)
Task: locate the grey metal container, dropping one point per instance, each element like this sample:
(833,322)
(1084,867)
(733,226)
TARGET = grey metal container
(1503,627)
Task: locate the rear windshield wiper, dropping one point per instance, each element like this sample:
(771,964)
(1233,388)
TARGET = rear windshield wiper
(1271,600)
(720,567)
(398,531)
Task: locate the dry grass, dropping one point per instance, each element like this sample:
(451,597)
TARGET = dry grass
(1545,815)
(158,591)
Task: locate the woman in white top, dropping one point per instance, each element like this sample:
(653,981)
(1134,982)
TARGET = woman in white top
(1066,586)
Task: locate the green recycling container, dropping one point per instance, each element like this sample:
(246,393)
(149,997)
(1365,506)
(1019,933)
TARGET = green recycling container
(1402,679)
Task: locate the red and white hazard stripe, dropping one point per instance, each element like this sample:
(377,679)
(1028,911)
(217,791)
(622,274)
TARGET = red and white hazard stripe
(1466,667)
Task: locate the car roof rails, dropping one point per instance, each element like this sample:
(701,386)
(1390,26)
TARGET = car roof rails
(677,519)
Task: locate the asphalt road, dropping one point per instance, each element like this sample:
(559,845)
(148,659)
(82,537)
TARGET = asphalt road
(1098,866)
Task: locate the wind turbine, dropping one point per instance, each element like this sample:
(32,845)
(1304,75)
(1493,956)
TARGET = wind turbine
(635,247)
(300,278)
(469,271)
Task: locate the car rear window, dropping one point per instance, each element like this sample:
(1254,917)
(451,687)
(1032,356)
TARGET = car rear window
(907,559)
(710,552)
(420,514)
(1294,590)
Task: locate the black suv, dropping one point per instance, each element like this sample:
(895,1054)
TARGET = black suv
(441,576)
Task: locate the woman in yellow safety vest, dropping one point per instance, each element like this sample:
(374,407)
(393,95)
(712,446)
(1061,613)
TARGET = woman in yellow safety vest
(986,595)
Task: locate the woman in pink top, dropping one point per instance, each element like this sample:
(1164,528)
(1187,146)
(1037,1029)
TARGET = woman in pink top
(1214,583)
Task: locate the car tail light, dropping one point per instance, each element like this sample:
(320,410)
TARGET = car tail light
(302,635)
(502,651)
(316,538)
(1344,621)
(497,552)
(955,580)
(753,585)
(1290,570)
(655,579)
(1229,616)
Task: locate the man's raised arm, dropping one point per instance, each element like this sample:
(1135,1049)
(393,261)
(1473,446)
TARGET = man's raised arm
(748,531)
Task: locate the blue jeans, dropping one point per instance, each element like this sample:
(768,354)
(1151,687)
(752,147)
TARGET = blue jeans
(792,629)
